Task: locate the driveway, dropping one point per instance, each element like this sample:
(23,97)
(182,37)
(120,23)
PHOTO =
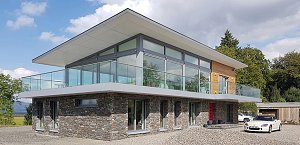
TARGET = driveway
(289,135)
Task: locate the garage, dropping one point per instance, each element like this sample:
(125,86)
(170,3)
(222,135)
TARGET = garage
(273,112)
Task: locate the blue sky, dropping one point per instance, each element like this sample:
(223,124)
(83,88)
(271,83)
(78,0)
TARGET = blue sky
(30,28)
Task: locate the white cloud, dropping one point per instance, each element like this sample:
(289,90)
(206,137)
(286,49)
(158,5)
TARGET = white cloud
(25,15)
(21,21)
(33,9)
(281,47)
(48,36)
(81,24)
(18,73)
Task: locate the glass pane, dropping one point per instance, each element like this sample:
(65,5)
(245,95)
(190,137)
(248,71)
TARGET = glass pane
(89,73)
(26,84)
(130,59)
(126,69)
(153,47)
(107,71)
(191,79)
(88,102)
(74,77)
(177,112)
(153,72)
(131,114)
(139,114)
(205,64)
(35,83)
(191,59)
(46,80)
(127,45)
(173,53)
(204,82)
(174,76)
(58,79)
(107,52)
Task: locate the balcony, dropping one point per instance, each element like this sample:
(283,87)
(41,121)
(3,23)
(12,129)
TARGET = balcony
(112,72)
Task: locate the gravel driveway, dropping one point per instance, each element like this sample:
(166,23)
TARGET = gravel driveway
(289,135)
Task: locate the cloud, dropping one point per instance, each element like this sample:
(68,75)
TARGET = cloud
(18,73)
(49,36)
(25,15)
(281,47)
(33,9)
(21,21)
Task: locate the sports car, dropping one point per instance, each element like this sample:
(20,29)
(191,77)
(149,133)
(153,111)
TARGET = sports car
(263,123)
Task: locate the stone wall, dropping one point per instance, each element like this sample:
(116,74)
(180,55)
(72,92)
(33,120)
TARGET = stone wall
(109,119)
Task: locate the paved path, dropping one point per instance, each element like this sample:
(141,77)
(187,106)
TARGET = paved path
(289,135)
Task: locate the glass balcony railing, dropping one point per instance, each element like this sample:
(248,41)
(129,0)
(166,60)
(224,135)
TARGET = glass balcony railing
(111,71)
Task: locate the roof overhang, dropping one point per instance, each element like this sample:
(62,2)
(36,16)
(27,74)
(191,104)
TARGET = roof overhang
(120,27)
(133,89)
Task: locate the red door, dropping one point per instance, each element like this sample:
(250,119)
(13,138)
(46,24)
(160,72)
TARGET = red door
(211,111)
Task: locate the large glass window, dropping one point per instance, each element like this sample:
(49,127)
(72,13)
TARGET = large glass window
(205,82)
(163,113)
(174,76)
(173,53)
(153,71)
(205,64)
(89,74)
(177,112)
(191,79)
(223,85)
(54,114)
(153,46)
(74,76)
(126,69)
(192,113)
(191,59)
(136,115)
(131,44)
(107,71)
(107,52)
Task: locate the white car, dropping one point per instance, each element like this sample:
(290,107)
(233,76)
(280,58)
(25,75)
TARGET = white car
(244,118)
(263,123)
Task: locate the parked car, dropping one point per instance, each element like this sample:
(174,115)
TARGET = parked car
(244,118)
(263,123)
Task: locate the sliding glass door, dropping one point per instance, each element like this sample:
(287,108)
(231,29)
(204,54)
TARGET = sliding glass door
(136,115)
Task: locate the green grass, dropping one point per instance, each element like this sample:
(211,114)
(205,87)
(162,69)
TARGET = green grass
(19,120)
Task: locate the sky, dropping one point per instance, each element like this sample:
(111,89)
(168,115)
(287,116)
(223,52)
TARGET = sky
(29,28)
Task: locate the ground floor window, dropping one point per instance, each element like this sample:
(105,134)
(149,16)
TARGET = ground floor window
(230,113)
(163,113)
(177,112)
(136,115)
(192,113)
(40,115)
(54,114)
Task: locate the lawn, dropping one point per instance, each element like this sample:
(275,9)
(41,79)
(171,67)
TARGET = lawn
(19,120)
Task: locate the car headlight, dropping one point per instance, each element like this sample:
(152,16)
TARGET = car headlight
(264,125)
(246,124)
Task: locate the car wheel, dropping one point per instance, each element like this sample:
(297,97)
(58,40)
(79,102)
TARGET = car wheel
(270,129)
(279,129)
(246,120)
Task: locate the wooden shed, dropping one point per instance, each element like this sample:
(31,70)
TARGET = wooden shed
(284,111)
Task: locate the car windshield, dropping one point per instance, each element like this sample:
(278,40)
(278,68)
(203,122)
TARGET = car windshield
(264,118)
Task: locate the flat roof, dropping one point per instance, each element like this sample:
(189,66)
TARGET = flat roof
(119,27)
(279,105)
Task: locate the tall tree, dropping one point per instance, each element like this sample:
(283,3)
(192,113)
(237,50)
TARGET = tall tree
(228,45)
(28,115)
(8,88)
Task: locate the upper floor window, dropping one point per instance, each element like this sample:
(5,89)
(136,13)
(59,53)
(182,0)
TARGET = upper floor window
(173,53)
(153,46)
(205,64)
(131,44)
(107,52)
(191,59)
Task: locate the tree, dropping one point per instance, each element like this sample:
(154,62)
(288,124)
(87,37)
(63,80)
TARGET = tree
(292,95)
(248,107)
(228,45)
(286,71)
(275,95)
(8,88)
(28,115)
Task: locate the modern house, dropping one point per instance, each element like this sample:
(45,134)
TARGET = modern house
(287,112)
(130,75)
